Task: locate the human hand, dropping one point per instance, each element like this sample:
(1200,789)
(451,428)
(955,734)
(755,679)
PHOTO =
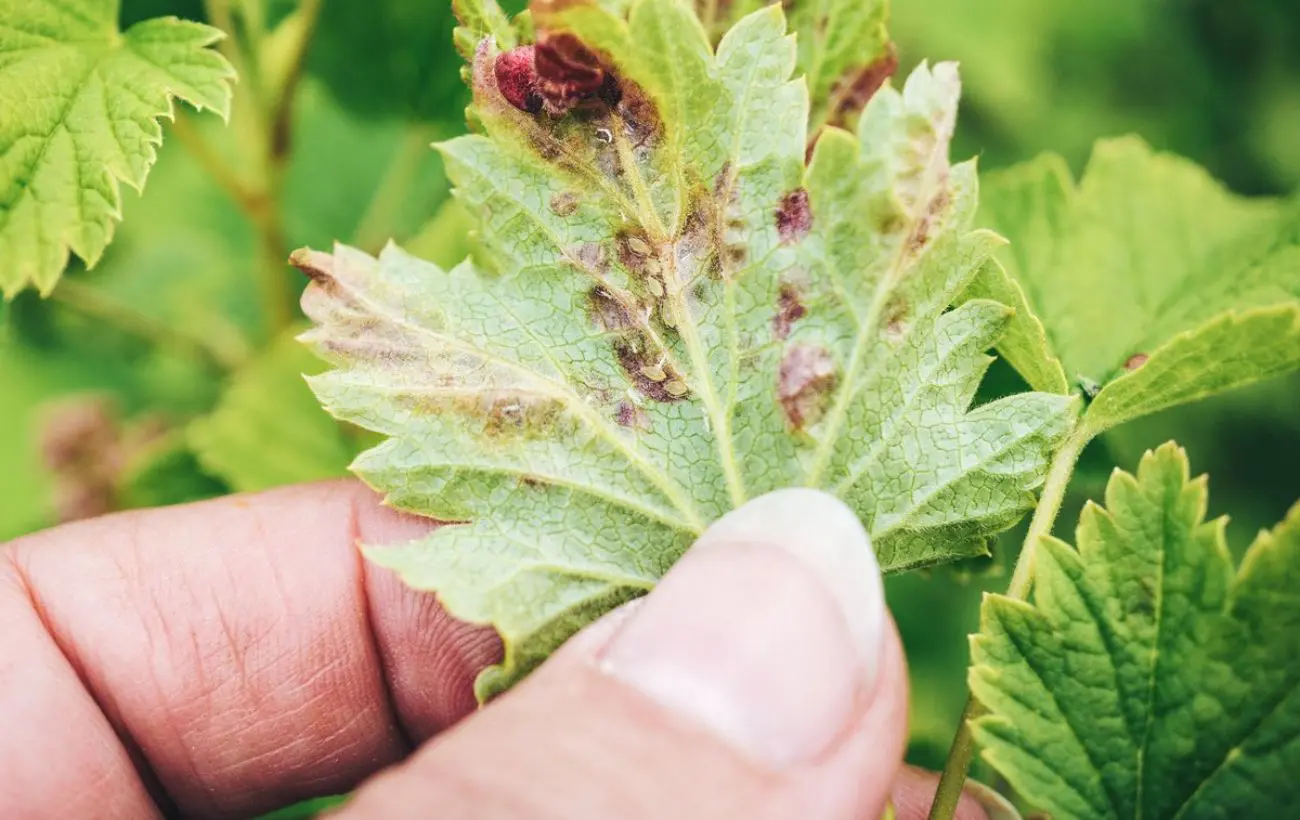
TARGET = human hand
(223,658)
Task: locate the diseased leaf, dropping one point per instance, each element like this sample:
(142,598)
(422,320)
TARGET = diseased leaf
(1154,283)
(81,103)
(844,50)
(267,430)
(1146,680)
(845,54)
(677,316)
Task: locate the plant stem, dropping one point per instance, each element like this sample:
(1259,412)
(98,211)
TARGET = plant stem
(1022,579)
(953,779)
(1049,506)
(211,162)
(90,302)
(269,138)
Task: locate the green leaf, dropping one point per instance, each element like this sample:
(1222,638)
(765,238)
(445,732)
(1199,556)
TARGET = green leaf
(845,54)
(167,472)
(1152,281)
(267,430)
(478,19)
(1147,681)
(844,50)
(81,103)
(1024,344)
(679,317)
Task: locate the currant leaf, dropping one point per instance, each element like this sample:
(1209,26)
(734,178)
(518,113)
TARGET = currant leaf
(675,314)
(81,103)
(1146,680)
(1155,285)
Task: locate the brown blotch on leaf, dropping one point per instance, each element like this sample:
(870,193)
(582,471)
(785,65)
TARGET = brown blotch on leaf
(569,73)
(640,116)
(650,376)
(852,92)
(564,203)
(517,415)
(895,319)
(794,217)
(789,309)
(805,381)
(504,415)
(628,414)
(591,256)
(933,211)
(1135,361)
(608,313)
(317,265)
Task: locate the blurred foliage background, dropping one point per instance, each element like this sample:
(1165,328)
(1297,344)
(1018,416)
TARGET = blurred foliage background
(168,373)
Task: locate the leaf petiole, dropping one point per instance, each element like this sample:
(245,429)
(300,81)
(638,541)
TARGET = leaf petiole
(962,749)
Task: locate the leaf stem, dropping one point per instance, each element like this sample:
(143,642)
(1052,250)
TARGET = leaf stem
(1049,506)
(212,163)
(270,139)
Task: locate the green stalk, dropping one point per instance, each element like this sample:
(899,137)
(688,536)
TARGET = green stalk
(268,139)
(962,750)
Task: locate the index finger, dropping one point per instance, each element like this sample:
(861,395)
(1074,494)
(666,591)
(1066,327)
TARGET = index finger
(219,658)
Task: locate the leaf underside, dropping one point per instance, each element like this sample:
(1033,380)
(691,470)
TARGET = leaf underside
(1148,680)
(81,103)
(676,314)
(1152,282)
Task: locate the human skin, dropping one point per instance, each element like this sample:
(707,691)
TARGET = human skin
(223,658)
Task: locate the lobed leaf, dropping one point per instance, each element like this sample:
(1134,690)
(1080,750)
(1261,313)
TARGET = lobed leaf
(676,314)
(81,103)
(844,51)
(1155,285)
(1146,680)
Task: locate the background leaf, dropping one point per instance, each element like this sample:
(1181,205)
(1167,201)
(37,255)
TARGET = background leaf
(389,58)
(82,103)
(1151,280)
(1146,680)
(268,430)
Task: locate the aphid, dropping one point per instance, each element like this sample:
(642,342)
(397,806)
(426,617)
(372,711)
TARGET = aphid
(655,287)
(676,388)
(1090,387)
(638,246)
(654,373)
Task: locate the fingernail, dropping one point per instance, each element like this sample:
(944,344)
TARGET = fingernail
(768,632)
(996,807)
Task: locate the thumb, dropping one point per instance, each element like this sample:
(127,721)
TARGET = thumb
(761,679)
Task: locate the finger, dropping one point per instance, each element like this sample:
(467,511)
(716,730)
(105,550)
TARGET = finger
(913,793)
(230,656)
(761,679)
